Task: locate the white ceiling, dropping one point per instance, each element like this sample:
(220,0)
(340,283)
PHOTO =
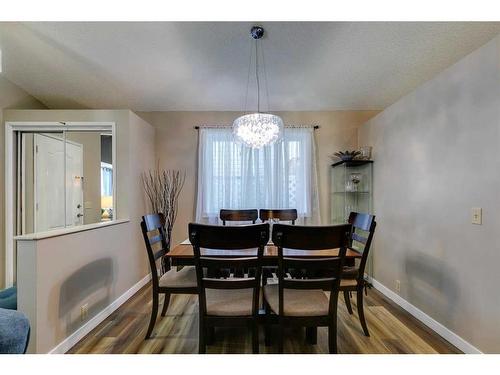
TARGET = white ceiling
(166,66)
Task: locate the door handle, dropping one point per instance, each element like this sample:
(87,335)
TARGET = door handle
(79,215)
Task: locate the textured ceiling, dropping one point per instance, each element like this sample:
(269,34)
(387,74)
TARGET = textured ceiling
(166,66)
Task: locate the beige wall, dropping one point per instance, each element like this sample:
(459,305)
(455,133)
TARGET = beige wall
(118,250)
(436,155)
(11,96)
(176,146)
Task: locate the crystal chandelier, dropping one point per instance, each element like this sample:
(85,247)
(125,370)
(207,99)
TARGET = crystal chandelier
(257,129)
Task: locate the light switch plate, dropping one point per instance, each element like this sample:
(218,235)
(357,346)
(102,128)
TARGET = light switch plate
(477,215)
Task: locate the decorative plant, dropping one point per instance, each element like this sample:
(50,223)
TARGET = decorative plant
(163,187)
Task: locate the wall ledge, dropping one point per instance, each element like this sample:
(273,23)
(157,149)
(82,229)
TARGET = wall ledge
(65,231)
(437,327)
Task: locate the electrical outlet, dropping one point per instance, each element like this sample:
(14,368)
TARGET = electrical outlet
(84,311)
(398,286)
(477,215)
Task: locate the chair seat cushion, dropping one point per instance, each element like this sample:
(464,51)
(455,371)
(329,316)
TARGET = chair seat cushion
(297,302)
(229,302)
(348,282)
(185,278)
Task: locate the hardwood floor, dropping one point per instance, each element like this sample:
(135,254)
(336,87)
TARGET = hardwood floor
(392,331)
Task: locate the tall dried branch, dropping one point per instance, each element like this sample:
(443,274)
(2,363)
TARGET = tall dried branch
(162,188)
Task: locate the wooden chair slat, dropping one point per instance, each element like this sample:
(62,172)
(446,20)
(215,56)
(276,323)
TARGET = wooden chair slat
(358,238)
(361,221)
(230,283)
(309,284)
(229,262)
(311,264)
(155,239)
(154,221)
(159,254)
(289,214)
(325,237)
(238,215)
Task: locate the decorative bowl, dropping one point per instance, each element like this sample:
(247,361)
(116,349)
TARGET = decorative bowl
(347,155)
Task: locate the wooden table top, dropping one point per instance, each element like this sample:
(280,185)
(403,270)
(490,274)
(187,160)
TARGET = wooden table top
(185,251)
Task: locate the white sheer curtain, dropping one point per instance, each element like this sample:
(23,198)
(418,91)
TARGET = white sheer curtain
(233,176)
(106,179)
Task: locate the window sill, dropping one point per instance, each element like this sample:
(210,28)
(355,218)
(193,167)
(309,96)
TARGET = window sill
(65,231)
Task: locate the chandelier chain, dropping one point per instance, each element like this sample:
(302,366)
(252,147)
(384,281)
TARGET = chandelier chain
(265,76)
(248,77)
(257,74)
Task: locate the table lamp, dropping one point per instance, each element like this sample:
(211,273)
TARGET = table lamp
(106,206)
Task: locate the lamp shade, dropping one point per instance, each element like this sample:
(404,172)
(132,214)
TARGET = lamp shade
(106,202)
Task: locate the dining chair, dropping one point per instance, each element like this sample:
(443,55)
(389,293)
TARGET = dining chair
(363,228)
(303,302)
(250,215)
(288,214)
(230,301)
(238,215)
(165,281)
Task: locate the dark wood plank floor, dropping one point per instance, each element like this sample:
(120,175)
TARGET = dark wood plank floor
(392,331)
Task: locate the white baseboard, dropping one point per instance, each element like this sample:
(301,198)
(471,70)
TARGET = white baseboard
(81,332)
(437,327)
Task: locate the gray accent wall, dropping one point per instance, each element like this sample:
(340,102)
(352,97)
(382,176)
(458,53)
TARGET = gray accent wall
(437,155)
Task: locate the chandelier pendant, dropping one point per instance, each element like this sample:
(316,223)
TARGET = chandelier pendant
(257,130)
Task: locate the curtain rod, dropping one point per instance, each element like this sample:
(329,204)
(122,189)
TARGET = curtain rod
(228,126)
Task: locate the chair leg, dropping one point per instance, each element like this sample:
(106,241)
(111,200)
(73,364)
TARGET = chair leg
(202,346)
(332,337)
(166,301)
(154,313)
(267,326)
(312,335)
(281,332)
(361,313)
(347,299)
(210,335)
(255,337)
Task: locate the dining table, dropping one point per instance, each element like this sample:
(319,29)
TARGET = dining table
(182,254)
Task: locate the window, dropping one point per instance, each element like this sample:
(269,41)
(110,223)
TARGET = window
(231,175)
(106,179)
(61,177)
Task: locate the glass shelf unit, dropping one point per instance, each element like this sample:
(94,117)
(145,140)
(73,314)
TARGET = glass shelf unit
(351,190)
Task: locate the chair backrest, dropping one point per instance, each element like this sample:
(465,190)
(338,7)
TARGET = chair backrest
(238,215)
(362,230)
(155,241)
(228,238)
(311,238)
(288,214)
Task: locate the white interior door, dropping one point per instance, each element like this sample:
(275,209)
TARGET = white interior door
(74,184)
(50,183)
